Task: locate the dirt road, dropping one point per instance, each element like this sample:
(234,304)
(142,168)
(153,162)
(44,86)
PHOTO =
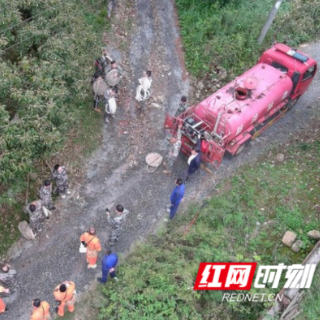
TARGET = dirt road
(116,172)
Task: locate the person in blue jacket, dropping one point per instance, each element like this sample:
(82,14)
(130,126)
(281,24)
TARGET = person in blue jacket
(109,262)
(176,197)
(194,160)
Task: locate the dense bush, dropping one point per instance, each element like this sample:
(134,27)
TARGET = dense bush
(46,57)
(226,32)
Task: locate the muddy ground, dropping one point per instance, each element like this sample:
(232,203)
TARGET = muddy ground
(116,172)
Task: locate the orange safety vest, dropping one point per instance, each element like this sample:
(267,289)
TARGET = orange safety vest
(42,312)
(2,304)
(64,296)
(92,241)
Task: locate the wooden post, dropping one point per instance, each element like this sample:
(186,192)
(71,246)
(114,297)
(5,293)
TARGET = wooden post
(267,25)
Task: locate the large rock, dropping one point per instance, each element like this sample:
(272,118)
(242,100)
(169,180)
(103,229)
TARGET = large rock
(25,230)
(314,234)
(280,157)
(297,246)
(289,238)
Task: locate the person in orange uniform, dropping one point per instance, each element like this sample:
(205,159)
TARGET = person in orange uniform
(92,243)
(65,294)
(2,305)
(41,310)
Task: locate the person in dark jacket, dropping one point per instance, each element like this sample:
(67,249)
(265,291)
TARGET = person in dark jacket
(108,264)
(194,159)
(176,197)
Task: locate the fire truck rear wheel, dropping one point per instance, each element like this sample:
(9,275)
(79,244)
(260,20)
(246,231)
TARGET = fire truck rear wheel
(240,149)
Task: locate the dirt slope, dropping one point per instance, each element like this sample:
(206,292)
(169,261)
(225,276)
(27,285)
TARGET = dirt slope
(116,173)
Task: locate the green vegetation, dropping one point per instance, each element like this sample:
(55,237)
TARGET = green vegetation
(47,49)
(244,221)
(310,305)
(217,32)
(82,141)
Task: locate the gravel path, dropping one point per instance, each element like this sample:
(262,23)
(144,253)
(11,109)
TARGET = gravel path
(116,172)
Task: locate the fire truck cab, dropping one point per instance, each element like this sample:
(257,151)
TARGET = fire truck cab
(244,108)
(298,66)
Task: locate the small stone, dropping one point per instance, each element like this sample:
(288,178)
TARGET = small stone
(200,85)
(297,246)
(271,222)
(289,238)
(222,75)
(314,234)
(15,119)
(33,176)
(155,105)
(280,157)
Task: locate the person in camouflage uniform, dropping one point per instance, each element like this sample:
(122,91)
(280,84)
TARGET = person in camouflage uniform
(102,63)
(45,195)
(7,275)
(116,223)
(116,77)
(114,66)
(60,176)
(174,151)
(105,60)
(34,209)
(182,106)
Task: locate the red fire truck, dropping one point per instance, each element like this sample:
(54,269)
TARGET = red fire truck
(244,108)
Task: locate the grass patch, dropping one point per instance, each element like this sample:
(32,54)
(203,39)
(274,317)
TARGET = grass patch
(87,135)
(225,32)
(98,19)
(244,221)
(9,232)
(310,305)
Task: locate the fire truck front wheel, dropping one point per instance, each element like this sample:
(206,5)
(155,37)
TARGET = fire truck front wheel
(292,103)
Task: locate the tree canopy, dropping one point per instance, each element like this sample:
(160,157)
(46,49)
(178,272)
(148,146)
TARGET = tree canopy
(46,53)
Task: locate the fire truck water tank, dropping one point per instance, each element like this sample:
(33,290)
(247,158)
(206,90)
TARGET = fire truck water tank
(245,100)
